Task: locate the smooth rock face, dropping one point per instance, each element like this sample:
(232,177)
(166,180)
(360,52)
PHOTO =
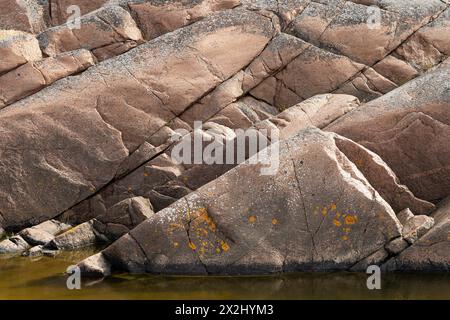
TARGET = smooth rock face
(100,28)
(317,213)
(124,102)
(407,128)
(17,48)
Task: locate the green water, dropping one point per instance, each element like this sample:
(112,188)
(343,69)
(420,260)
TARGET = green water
(23,278)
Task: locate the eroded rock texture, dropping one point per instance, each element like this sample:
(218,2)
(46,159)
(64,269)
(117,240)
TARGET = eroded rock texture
(91,106)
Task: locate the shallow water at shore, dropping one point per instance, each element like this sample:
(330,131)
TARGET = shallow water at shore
(23,278)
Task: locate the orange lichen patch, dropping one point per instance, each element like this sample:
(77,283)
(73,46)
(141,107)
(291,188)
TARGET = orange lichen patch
(351,219)
(337,223)
(448,237)
(192,245)
(345,238)
(333,206)
(225,246)
(252,219)
(274,221)
(146,174)
(201,215)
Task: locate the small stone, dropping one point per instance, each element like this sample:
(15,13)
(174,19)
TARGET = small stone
(95,266)
(15,244)
(82,235)
(35,251)
(396,246)
(416,227)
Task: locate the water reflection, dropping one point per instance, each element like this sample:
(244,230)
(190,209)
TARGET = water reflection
(21,278)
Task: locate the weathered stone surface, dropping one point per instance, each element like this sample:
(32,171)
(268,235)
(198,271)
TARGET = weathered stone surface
(416,227)
(35,251)
(94,150)
(95,266)
(13,245)
(396,246)
(431,252)
(396,70)
(122,217)
(278,53)
(114,49)
(408,129)
(163,181)
(80,236)
(44,232)
(23,15)
(79,140)
(158,17)
(376,258)
(17,48)
(63,10)
(367,85)
(33,76)
(358,32)
(314,71)
(98,29)
(382,178)
(317,213)
(404,215)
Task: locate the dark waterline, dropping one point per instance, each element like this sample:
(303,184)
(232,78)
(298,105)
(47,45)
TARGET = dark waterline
(43,278)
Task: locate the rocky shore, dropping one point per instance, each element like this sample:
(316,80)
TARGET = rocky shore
(349,99)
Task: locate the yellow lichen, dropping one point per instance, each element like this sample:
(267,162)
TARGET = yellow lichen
(192,245)
(337,223)
(274,221)
(252,219)
(345,238)
(350,219)
(225,246)
(333,206)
